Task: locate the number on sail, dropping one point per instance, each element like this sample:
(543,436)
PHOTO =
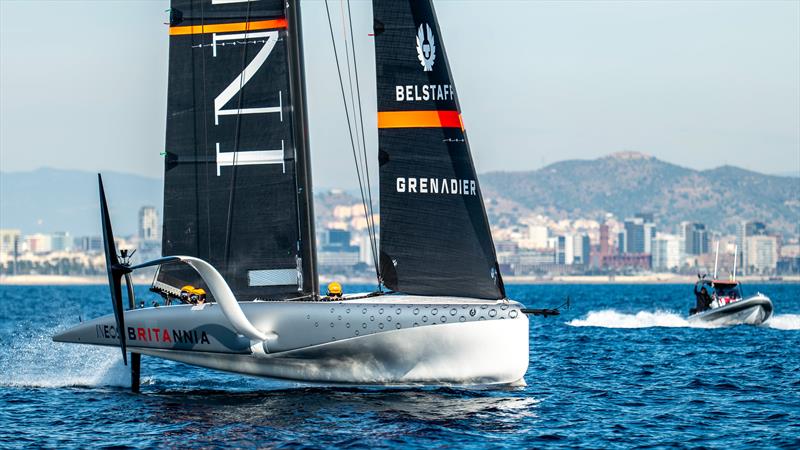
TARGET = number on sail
(238,158)
(271,37)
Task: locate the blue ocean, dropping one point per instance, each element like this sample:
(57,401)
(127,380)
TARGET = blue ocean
(621,369)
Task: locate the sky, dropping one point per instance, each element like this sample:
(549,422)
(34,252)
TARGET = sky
(699,84)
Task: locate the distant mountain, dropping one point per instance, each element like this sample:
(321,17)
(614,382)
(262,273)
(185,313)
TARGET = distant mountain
(627,183)
(48,200)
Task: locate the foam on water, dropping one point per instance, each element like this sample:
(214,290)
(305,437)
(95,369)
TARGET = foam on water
(784,322)
(609,318)
(36,361)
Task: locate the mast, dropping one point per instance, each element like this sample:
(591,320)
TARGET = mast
(305,193)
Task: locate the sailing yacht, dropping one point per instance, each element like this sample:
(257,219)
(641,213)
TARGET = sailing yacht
(239,218)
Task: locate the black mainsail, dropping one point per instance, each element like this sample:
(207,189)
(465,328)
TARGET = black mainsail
(237,174)
(435,237)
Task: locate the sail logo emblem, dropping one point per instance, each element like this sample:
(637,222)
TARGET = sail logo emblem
(426,47)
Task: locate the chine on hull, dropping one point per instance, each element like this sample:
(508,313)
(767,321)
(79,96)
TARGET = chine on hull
(391,340)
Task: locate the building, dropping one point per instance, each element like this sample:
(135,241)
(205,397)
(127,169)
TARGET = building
(38,243)
(61,241)
(527,262)
(631,261)
(9,241)
(573,249)
(747,229)
(605,245)
(336,251)
(561,249)
(667,252)
(537,236)
(637,234)
(149,226)
(761,255)
(89,244)
(695,238)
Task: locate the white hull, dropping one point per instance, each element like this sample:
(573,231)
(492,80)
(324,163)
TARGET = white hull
(387,340)
(475,353)
(753,310)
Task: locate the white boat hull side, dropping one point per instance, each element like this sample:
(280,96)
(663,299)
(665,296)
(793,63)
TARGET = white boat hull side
(470,353)
(750,311)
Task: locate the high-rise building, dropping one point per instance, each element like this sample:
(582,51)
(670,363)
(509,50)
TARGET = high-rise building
(148,224)
(761,254)
(667,252)
(634,235)
(604,242)
(582,249)
(747,229)
(695,238)
(573,249)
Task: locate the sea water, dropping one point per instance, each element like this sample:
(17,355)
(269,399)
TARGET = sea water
(622,368)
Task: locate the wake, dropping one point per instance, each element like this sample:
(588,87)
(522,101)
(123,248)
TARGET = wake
(609,318)
(37,361)
(784,322)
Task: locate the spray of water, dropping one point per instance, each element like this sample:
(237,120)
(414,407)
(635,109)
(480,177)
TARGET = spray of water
(784,322)
(34,360)
(609,318)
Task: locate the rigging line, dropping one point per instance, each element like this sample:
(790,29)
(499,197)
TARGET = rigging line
(371,221)
(205,133)
(347,114)
(361,161)
(238,129)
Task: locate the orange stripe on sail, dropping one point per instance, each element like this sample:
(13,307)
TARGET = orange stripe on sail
(420,119)
(229,27)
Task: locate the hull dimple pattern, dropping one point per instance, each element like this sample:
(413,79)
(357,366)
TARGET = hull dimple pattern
(377,318)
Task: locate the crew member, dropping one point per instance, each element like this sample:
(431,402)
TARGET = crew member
(199,296)
(186,293)
(703,300)
(334,291)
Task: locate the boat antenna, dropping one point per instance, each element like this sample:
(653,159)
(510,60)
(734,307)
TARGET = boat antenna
(716,261)
(735,258)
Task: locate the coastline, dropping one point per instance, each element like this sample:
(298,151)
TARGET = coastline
(655,278)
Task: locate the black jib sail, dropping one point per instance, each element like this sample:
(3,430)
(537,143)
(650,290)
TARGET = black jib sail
(237,176)
(435,237)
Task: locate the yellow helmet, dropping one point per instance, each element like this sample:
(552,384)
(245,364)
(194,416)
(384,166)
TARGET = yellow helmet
(334,288)
(200,291)
(188,288)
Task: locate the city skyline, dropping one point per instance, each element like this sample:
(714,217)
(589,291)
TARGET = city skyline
(537,246)
(723,87)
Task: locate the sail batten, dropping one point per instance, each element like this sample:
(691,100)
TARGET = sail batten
(435,236)
(235,172)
